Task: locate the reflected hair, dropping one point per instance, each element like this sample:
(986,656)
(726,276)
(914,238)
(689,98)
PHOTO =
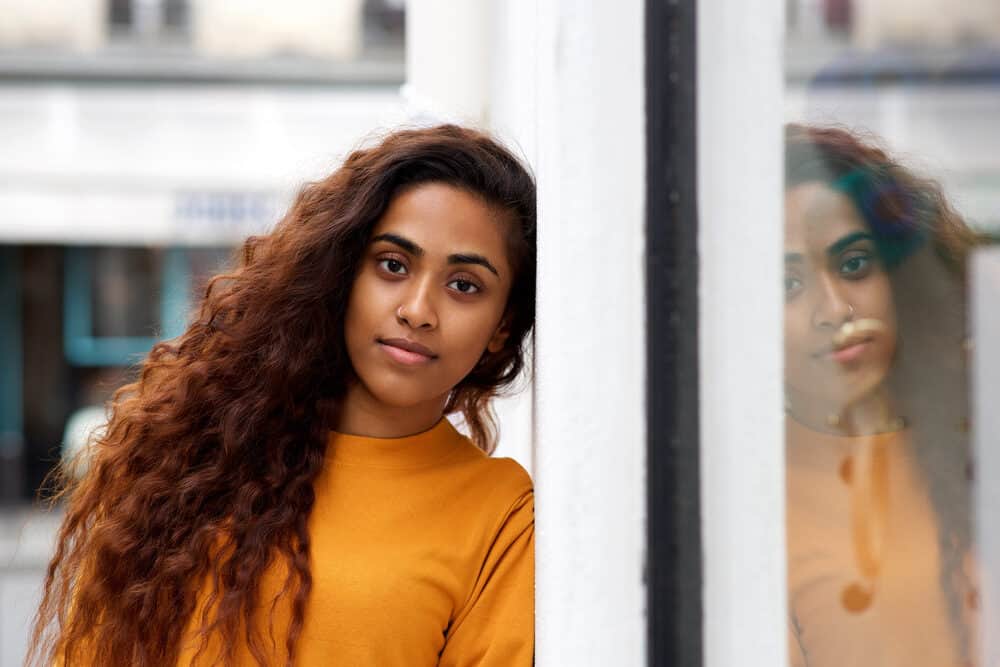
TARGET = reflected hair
(204,476)
(904,211)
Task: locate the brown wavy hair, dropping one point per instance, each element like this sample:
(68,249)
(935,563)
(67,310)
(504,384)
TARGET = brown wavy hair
(205,472)
(904,210)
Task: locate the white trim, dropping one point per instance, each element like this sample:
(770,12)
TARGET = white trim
(566,89)
(112,165)
(739,79)
(985,317)
(44,213)
(590,350)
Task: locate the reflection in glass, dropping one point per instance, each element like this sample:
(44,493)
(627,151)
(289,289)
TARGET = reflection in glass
(876,427)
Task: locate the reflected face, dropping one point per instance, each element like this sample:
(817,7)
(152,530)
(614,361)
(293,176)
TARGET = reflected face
(429,297)
(833,275)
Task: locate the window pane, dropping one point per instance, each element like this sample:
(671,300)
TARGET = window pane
(892,185)
(125,291)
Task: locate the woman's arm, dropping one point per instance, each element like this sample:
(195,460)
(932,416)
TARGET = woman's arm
(496,625)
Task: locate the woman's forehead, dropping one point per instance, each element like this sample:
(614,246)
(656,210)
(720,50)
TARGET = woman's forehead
(816,216)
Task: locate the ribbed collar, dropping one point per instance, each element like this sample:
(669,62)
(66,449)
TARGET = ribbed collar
(797,429)
(805,444)
(412,451)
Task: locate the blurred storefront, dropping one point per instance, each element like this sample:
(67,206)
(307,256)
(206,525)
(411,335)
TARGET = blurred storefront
(143,140)
(922,76)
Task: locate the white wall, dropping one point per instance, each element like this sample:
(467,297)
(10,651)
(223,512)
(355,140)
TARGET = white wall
(81,164)
(590,375)
(985,321)
(739,74)
(448,49)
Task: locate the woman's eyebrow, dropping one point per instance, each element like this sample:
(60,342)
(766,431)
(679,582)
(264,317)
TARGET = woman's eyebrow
(470,258)
(838,246)
(456,258)
(404,243)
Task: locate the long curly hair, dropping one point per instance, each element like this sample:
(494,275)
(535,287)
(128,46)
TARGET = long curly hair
(924,244)
(205,471)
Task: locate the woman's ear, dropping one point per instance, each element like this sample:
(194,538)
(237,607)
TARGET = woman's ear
(499,338)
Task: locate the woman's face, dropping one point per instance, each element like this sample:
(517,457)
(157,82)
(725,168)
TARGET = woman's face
(429,297)
(833,275)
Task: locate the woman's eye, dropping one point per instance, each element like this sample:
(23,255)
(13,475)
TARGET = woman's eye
(463,286)
(792,285)
(855,267)
(393,266)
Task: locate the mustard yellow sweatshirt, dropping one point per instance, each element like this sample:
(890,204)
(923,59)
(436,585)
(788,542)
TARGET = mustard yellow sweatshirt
(422,554)
(864,562)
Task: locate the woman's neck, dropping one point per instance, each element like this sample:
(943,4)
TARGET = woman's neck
(873,413)
(361,413)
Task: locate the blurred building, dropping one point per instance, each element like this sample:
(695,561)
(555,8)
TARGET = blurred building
(921,75)
(143,139)
(872,24)
(924,22)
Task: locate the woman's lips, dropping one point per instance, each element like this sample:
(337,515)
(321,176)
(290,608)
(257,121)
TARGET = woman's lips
(852,340)
(851,352)
(406,352)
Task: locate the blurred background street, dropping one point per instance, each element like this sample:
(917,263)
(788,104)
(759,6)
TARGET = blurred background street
(26,540)
(142,141)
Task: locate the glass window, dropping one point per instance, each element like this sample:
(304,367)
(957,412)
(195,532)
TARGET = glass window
(125,292)
(74,321)
(891,187)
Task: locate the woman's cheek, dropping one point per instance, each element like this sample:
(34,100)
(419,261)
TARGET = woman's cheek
(796,331)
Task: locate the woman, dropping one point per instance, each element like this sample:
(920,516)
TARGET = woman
(281,484)
(877,513)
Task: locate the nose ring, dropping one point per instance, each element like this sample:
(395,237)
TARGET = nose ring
(850,312)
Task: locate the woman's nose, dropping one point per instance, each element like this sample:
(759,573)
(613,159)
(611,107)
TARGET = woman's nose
(417,309)
(832,306)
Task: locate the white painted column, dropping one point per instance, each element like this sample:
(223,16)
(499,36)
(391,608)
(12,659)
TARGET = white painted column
(985,426)
(514,71)
(740,221)
(513,118)
(590,419)
(448,52)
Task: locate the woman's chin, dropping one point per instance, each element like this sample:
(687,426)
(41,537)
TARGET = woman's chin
(402,396)
(836,395)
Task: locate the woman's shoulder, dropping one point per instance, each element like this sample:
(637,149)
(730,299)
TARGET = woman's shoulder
(502,468)
(501,479)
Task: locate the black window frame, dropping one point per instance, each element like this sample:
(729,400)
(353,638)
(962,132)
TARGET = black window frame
(674,551)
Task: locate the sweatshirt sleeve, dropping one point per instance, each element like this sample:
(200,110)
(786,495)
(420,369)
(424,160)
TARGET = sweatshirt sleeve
(496,625)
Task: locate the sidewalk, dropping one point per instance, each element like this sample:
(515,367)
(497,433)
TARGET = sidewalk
(27,536)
